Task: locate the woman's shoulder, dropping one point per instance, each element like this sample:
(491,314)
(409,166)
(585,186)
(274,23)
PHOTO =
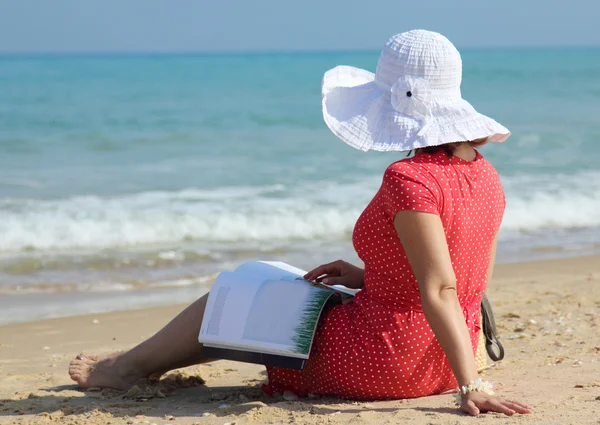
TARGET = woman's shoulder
(418,166)
(487,164)
(404,167)
(409,173)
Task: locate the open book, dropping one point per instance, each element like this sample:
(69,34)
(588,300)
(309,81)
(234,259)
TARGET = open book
(265,312)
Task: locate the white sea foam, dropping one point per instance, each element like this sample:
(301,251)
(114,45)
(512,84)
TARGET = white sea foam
(224,215)
(262,214)
(552,202)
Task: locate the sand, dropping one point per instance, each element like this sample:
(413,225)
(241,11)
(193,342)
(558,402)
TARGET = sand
(547,313)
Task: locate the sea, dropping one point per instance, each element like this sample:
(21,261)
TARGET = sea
(130,181)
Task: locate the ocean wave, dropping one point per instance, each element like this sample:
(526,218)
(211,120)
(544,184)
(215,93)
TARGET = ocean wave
(224,215)
(559,201)
(552,211)
(261,215)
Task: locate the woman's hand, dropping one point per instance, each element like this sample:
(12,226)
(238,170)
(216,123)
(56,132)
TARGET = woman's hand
(475,402)
(338,273)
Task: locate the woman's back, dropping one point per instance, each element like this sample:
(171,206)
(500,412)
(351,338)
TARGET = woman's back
(468,197)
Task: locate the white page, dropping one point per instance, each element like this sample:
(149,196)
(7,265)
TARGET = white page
(229,294)
(275,270)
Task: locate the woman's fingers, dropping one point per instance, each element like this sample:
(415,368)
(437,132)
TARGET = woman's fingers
(331,268)
(525,406)
(471,408)
(497,406)
(315,273)
(486,403)
(335,280)
(518,407)
(320,272)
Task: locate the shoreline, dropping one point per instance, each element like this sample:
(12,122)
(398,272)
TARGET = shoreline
(547,313)
(57,304)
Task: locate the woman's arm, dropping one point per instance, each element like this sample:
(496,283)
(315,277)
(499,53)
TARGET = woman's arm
(490,271)
(424,241)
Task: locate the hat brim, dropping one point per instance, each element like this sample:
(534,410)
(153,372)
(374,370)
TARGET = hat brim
(359,112)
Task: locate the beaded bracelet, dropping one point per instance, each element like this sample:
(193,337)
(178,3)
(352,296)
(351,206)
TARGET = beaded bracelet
(477,385)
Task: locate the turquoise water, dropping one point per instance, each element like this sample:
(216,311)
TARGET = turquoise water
(136,178)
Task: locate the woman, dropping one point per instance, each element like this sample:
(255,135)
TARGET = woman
(428,241)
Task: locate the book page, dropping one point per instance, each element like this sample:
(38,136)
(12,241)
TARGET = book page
(275,316)
(274,270)
(278,270)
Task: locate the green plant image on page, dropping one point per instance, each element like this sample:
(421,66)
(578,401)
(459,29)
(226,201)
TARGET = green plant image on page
(303,333)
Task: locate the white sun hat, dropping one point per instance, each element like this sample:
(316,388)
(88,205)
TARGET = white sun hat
(412,101)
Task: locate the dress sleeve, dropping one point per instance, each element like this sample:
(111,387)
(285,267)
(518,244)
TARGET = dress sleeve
(405,189)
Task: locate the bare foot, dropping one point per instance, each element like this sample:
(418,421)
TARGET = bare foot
(108,371)
(154,377)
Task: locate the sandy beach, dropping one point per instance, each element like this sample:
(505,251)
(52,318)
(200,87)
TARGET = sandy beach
(547,314)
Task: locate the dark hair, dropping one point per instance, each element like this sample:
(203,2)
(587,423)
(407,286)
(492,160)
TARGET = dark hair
(449,148)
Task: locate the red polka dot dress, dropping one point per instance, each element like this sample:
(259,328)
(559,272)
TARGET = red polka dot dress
(381,345)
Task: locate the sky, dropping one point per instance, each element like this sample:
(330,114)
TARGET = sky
(114,26)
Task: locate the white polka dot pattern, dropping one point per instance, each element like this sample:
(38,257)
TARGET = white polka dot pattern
(381,345)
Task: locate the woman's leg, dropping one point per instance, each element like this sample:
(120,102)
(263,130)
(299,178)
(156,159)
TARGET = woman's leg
(174,346)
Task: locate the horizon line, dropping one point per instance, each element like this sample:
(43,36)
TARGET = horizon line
(232,52)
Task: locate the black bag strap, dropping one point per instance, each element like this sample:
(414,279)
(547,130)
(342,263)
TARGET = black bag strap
(492,345)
